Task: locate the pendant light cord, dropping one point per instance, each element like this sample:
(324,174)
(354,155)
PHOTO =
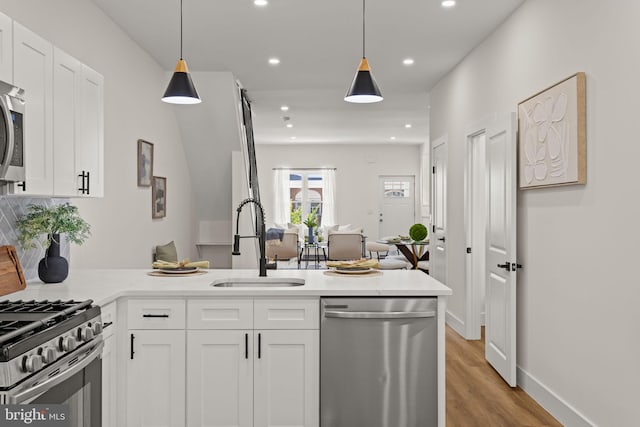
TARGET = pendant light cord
(180,29)
(363,28)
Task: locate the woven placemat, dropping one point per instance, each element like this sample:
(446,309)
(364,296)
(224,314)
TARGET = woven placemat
(371,273)
(161,274)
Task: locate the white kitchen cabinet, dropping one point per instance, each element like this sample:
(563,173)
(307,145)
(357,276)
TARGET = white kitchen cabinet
(156,378)
(67,87)
(89,152)
(263,377)
(33,71)
(6,48)
(78,128)
(219,378)
(109,366)
(286,378)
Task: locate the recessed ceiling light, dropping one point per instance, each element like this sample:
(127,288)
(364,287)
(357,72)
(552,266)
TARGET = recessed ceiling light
(260,2)
(289,125)
(284,108)
(448,3)
(408,61)
(293,138)
(408,126)
(274,61)
(393,138)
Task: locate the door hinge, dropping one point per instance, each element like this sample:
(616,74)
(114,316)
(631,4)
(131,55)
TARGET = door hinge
(468,250)
(433,170)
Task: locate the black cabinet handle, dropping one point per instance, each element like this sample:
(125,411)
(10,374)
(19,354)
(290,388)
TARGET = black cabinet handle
(84,189)
(259,346)
(156,315)
(442,239)
(132,352)
(23,185)
(506,266)
(106,325)
(88,181)
(246,346)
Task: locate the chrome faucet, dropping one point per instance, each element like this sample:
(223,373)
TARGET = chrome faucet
(261,236)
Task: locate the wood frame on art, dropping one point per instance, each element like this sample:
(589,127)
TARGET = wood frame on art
(552,136)
(159,197)
(145,163)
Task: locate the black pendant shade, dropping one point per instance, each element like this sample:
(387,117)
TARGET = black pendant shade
(181,89)
(364,88)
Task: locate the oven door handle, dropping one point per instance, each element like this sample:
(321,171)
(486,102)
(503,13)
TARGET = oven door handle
(54,381)
(6,112)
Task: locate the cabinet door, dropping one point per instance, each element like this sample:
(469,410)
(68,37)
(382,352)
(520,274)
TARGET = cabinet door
(219,378)
(156,379)
(33,72)
(90,153)
(286,378)
(109,376)
(67,86)
(6,48)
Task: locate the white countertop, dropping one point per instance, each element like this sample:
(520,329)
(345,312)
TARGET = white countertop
(104,286)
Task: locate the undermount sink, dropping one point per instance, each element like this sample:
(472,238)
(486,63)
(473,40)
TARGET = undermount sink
(258,282)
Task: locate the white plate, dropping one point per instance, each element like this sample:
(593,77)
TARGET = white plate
(353,270)
(180,270)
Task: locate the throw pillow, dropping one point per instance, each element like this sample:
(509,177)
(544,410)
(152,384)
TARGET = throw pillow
(167,252)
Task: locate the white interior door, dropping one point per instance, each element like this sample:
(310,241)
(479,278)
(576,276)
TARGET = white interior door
(397,205)
(437,240)
(476,202)
(500,332)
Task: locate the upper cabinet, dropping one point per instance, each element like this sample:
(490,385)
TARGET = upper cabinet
(64,125)
(6,49)
(78,128)
(33,72)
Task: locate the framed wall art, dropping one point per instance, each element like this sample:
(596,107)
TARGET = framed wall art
(159,197)
(552,146)
(145,163)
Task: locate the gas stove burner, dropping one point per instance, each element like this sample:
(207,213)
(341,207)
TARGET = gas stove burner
(36,333)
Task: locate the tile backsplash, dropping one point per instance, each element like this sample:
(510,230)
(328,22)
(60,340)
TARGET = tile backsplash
(12,208)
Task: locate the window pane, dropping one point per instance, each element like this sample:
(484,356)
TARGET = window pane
(314,195)
(397,189)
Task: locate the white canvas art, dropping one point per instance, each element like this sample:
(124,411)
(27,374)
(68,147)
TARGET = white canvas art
(552,135)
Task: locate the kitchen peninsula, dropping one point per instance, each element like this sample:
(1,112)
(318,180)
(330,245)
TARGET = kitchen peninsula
(166,331)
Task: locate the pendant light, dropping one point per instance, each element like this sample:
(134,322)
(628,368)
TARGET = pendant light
(181,89)
(364,88)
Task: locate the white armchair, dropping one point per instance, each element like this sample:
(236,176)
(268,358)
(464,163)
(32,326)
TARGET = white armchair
(284,249)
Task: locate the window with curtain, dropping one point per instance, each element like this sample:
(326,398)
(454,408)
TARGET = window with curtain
(300,192)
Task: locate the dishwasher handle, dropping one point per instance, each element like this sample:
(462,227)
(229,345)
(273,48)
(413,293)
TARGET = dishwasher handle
(379,314)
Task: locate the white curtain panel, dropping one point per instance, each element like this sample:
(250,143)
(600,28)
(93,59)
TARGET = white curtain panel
(282,210)
(329,197)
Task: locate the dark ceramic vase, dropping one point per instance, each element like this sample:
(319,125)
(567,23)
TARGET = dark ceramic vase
(53,268)
(310,238)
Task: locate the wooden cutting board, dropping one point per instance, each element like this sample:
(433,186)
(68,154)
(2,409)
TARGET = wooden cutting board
(11,277)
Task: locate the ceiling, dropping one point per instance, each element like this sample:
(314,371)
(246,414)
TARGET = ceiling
(319,44)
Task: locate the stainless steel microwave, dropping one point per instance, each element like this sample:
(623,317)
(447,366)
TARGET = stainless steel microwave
(12,167)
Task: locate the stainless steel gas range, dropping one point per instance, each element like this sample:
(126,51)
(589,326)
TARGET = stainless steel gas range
(50,354)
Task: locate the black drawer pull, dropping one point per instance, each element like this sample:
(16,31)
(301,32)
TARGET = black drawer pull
(106,325)
(132,352)
(259,346)
(156,315)
(246,346)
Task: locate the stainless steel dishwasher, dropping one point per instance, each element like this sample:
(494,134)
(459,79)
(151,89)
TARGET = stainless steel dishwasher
(378,362)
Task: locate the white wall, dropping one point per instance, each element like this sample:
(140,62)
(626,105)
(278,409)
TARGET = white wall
(578,294)
(123,232)
(357,171)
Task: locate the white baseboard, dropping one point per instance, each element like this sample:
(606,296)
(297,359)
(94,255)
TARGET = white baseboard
(554,404)
(455,323)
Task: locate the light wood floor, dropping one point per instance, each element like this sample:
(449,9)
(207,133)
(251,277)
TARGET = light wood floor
(477,395)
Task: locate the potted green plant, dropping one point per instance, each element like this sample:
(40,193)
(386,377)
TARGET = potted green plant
(311,222)
(52,221)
